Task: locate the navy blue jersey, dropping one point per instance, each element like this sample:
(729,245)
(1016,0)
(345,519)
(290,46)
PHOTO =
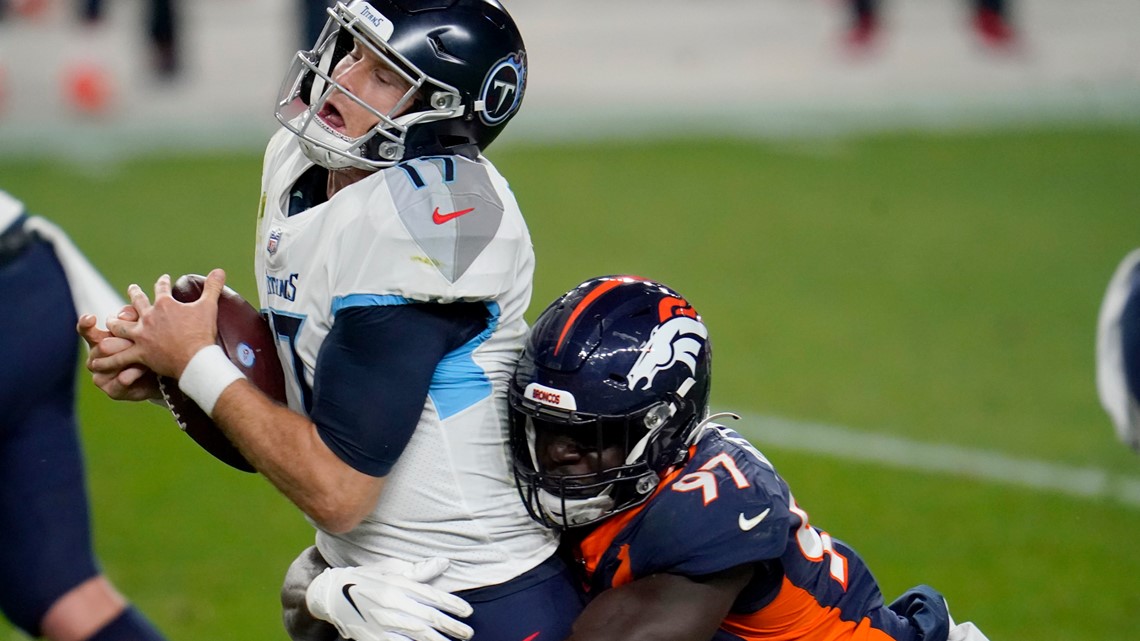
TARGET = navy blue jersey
(727,507)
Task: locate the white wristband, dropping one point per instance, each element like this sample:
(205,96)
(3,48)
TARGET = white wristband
(207,375)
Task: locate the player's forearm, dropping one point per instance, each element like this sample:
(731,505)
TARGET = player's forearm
(619,624)
(661,607)
(285,447)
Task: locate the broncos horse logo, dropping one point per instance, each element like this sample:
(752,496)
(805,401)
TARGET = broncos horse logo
(678,339)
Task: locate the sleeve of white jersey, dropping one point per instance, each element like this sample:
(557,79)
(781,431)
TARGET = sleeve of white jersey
(401,255)
(90,292)
(276,150)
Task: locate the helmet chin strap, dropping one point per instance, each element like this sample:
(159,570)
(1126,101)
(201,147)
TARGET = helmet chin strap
(577,511)
(318,144)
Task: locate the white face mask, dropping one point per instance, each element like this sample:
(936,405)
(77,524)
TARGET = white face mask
(578,511)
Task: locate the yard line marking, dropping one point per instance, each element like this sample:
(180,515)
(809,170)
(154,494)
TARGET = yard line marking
(892,451)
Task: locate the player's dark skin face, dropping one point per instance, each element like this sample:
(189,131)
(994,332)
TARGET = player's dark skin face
(565,453)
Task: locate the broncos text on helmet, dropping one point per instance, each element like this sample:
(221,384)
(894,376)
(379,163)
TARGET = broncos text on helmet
(618,364)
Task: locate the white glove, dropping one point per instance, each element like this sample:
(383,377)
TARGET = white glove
(388,601)
(963,631)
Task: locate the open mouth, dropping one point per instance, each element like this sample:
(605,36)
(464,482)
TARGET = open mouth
(331,117)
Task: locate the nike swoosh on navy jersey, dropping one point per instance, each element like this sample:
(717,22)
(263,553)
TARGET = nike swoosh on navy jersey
(747,524)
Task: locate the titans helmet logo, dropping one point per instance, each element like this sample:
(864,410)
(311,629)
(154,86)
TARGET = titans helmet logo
(503,89)
(677,340)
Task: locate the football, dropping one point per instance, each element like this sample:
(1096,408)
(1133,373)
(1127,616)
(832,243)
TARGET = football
(248,341)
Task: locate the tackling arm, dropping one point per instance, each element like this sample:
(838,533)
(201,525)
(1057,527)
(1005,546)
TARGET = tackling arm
(662,607)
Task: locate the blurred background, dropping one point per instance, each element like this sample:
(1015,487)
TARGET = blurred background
(635,69)
(899,233)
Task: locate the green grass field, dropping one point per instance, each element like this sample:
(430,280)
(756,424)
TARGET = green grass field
(941,289)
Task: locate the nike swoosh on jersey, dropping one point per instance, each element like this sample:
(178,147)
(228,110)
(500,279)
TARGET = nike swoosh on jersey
(440,219)
(747,524)
(533,636)
(344,591)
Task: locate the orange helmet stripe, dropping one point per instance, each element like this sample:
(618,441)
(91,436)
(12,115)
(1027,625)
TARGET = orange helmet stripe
(602,288)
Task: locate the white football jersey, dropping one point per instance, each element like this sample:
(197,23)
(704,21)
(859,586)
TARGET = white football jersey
(90,292)
(440,229)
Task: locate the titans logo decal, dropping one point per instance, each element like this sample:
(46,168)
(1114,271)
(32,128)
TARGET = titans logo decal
(503,89)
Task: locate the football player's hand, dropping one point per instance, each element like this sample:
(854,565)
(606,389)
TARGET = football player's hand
(130,383)
(167,333)
(388,601)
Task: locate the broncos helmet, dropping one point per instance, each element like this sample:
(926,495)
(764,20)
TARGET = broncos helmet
(618,360)
(465,62)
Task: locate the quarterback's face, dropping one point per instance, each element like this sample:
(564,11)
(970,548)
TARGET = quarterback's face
(370,79)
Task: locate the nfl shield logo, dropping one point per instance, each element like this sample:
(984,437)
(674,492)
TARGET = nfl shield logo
(274,238)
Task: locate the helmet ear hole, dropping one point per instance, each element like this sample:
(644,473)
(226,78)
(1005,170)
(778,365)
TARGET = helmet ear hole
(657,415)
(389,151)
(444,100)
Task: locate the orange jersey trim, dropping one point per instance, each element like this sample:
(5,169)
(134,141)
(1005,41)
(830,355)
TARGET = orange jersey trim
(591,549)
(795,615)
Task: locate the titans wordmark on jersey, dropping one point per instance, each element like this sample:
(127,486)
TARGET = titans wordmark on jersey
(435,230)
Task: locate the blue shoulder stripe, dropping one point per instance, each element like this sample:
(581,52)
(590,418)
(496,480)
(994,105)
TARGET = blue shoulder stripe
(459,382)
(367,300)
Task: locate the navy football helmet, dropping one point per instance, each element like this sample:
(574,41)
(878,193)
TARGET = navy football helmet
(465,62)
(1118,350)
(616,361)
